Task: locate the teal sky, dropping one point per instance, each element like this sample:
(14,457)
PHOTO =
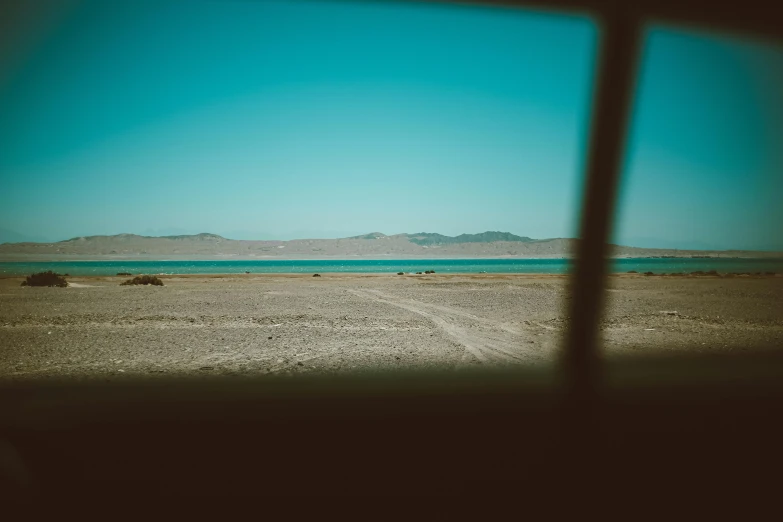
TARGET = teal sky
(262,119)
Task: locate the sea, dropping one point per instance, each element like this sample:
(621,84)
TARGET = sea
(453,266)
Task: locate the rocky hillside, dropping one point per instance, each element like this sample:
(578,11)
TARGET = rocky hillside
(373,245)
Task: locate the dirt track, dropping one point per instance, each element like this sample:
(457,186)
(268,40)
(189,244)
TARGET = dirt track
(279,324)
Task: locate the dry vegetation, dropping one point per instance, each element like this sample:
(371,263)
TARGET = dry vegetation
(47,278)
(143,280)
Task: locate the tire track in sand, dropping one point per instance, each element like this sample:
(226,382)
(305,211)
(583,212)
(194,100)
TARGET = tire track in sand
(487,340)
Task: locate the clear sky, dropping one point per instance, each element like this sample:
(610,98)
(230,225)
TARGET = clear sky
(276,120)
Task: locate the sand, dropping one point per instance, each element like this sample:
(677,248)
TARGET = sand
(247,325)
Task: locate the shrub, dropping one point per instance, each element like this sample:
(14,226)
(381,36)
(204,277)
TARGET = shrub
(400,273)
(316,275)
(633,272)
(143,280)
(47,278)
(124,274)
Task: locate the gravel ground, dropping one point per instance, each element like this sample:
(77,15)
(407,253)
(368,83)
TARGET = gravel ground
(286,324)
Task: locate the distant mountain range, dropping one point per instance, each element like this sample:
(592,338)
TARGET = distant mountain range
(427,239)
(432,239)
(375,245)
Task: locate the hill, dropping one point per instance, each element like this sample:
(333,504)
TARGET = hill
(373,245)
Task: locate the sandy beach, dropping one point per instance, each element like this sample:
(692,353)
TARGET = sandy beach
(248,325)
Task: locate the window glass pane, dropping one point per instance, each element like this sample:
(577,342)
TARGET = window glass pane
(290,137)
(702,193)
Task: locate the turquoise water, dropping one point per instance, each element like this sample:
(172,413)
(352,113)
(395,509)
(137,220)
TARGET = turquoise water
(496,266)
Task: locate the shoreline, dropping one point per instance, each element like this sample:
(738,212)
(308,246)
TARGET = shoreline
(429,277)
(326,275)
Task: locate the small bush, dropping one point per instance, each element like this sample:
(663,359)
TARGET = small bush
(124,274)
(143,280)
(316,275)
(633,272)
(48,278)
(400,273)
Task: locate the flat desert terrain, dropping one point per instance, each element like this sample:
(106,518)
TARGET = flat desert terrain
(246,325)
